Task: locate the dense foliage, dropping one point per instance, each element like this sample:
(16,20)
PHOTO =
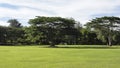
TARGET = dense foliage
(57,30)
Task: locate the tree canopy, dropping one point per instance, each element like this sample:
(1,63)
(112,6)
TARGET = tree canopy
(53,29)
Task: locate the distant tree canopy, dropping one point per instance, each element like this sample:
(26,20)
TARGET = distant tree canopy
(14,23)
(57,30)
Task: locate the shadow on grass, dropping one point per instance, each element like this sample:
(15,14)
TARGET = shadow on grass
(88,47)
(91,47)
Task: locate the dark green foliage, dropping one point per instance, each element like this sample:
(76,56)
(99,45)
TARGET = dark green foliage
(11,35)
(3,33)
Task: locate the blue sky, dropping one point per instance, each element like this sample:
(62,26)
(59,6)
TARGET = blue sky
(80,10)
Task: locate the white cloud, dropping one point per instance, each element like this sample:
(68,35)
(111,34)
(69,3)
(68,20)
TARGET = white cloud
(4,23)
(81,10)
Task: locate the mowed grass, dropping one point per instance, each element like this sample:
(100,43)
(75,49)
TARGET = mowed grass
(63,57)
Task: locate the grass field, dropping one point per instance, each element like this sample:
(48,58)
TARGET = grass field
(63,57)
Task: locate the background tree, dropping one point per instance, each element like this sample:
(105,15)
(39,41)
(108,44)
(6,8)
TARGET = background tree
(14,23)
(3,35)
(105,27)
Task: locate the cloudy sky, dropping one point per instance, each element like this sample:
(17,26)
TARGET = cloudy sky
(80,10)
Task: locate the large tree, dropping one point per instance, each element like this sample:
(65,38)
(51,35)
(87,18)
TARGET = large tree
(52,29)
(105,27)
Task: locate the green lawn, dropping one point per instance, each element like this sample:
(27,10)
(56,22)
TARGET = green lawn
(64,57)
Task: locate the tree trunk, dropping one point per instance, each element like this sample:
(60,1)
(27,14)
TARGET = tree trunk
(109,41)
(52,44)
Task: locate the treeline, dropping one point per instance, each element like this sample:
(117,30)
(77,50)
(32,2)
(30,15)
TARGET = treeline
(57,30)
